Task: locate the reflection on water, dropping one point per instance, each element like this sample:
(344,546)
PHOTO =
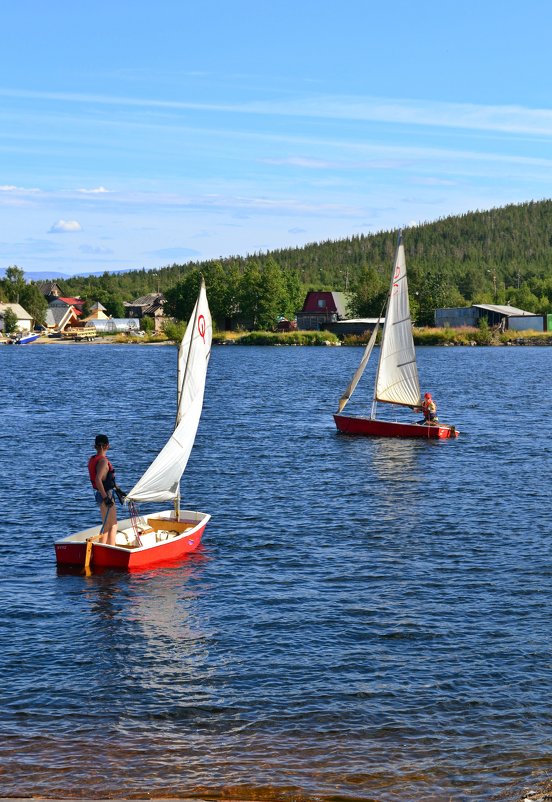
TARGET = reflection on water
(367,619)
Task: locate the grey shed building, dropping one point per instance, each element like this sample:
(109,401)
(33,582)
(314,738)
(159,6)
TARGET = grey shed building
(495,314)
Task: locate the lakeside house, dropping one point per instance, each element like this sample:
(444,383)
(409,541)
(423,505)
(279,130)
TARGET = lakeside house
(63,313)
(58,318)
(504,316)
(49,289)
(150,305)
(98,312)
(321,308)
(76,303)
(24,319)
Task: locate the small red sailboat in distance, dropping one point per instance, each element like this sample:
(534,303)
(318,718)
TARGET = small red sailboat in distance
(167,535)
(397,379)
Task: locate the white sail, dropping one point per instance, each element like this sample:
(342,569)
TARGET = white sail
(360,370)
(397,378)
(161,481)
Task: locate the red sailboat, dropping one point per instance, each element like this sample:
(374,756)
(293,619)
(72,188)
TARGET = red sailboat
(172,533)
(397,379)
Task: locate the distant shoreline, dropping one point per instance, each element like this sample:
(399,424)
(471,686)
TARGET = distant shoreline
(95,341)
(422,338)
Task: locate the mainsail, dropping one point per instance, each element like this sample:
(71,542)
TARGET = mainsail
(161,481)
(397,377)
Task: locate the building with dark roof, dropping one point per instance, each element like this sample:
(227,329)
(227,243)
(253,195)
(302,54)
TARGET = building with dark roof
(150,305)
(321,307)
(49,289)
(506,316)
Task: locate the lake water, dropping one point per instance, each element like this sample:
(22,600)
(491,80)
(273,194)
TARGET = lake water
(367,618)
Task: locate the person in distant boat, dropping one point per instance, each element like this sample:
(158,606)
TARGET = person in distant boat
(429,409)
(102,476)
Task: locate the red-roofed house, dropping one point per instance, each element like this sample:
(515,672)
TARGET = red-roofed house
(321,307)
(61,314)
(78,303)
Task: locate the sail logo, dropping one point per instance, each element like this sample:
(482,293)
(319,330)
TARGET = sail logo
(396,276)
(201,327)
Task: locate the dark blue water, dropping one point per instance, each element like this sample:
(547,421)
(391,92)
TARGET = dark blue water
(367,619)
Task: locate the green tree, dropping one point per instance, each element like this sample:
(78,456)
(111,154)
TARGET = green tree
(10,321)
(251,288)
(263,296)
(524,299)
(147,324)
(115,306)
(14,283)
(174,331)
(369,293)
(219,293)
(34,303)
(431,293)
(233,283)
(180,299)
(295,293)
(273,300)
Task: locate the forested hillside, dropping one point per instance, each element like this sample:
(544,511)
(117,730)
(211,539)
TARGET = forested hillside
(502,255)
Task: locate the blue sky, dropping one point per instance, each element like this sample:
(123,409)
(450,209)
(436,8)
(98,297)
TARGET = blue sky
(138,134)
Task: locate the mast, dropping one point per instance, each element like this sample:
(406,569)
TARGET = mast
(397,374)
(385,327)
(161,481)
(180,380)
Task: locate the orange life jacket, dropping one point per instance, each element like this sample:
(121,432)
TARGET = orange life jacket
(429,408)
(109,481)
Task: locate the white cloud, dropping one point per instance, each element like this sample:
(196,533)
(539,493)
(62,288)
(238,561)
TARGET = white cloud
(12,188)
(298,161)
(65,227)
(95,191)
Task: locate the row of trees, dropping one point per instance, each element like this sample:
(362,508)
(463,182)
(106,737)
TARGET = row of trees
(497,256)
(252,297)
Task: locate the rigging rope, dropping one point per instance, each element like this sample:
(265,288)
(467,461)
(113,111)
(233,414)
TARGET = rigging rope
(135,520)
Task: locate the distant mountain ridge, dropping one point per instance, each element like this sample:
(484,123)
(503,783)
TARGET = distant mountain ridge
(33,275)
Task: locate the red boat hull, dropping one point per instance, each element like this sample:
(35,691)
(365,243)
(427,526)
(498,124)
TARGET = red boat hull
(72,550)
(370,427)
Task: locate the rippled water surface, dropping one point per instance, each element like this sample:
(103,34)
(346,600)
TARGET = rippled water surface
(367,618)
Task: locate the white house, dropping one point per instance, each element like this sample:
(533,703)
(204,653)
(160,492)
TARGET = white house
(24,320)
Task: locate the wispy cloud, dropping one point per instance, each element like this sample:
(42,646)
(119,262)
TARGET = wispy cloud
(96,250)
(28,247)
(432,181)
(18,190)
(95,191)
(65,227)
(506,119)
(309,164)
(342,164)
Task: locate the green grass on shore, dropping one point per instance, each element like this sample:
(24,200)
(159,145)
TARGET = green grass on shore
(278,338)
(422,336)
